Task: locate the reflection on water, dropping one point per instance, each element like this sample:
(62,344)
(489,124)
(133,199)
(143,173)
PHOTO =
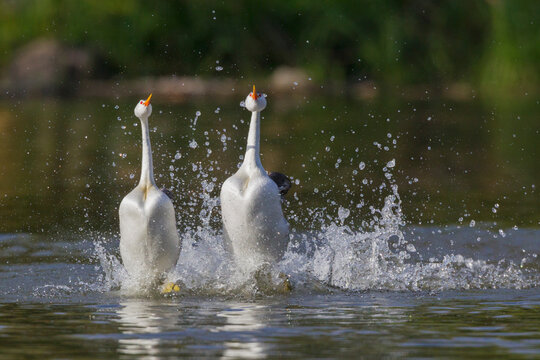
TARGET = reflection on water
(143,323)
(154,329)
(484,324)
(244,319)
(148,328)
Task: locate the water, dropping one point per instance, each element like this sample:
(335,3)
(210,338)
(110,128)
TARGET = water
(492,324)
(415,231)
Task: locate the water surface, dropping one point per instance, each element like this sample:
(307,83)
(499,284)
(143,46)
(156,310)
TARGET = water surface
(415,231)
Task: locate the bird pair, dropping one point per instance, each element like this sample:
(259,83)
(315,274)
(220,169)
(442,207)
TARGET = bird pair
(254,227)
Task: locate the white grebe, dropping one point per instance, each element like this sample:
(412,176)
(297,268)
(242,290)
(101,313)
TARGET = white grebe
(149,242)
(253,221)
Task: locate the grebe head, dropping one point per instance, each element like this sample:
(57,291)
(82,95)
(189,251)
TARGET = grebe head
(255,101)
(282,181)
(143,108)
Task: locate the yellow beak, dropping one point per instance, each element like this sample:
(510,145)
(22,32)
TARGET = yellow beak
(147,100)
(254,94)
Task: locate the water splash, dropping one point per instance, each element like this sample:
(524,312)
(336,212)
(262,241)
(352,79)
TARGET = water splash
(329,249)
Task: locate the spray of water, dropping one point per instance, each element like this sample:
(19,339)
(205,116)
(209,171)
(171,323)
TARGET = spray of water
(326,252)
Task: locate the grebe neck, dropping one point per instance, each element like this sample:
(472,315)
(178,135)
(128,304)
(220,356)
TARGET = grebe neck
(147,171)
(252,159)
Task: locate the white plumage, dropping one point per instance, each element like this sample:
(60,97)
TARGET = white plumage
(149,242)
(253,221)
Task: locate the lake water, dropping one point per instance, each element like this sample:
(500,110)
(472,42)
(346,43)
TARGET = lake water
(415,230)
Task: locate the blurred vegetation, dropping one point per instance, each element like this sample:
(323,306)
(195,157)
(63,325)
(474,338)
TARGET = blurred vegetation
(493,44)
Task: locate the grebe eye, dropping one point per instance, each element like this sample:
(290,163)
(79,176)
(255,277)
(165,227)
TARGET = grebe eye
(141,102)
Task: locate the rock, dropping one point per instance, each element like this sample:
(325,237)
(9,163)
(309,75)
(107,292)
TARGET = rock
(46,67)
(366,90)
(458,92)
(166,88)
(286,79)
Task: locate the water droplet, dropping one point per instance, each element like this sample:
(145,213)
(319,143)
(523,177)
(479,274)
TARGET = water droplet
(391,163)
(343,213)
(193,144)
(362,165)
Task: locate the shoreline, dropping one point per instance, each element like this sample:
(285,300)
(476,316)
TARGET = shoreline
(179,89)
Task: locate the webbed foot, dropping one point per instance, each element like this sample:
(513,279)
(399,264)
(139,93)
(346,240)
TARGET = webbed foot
(285,287)
(271,283)
(170,288)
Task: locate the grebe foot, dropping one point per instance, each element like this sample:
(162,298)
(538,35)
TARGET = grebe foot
(170,288)
(270,282)
(285,287)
